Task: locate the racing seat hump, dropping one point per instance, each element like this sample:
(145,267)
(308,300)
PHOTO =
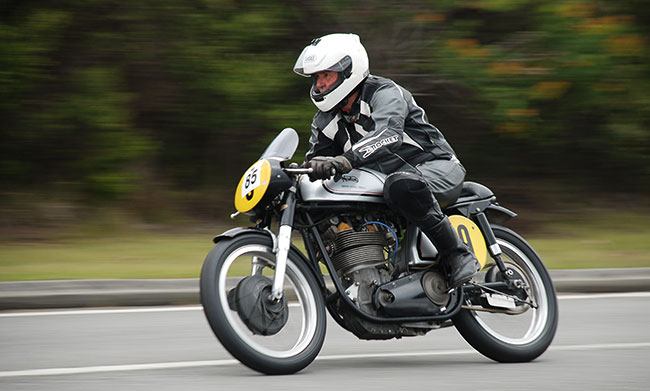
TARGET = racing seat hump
(473,191)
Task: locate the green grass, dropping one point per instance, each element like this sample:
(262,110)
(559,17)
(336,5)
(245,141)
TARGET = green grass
(132,256)
(615,241)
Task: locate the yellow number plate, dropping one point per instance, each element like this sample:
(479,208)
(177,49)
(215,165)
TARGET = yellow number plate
(253,185)
(471,235)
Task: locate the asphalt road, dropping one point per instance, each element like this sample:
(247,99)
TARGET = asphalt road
(603,343)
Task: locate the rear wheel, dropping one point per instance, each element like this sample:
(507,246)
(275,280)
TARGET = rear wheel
(526,331)
(270,337)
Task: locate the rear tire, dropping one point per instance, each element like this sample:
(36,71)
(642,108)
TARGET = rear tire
(492,334)
(265,354)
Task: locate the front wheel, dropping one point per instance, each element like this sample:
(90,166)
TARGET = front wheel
(519,337)
(270,337)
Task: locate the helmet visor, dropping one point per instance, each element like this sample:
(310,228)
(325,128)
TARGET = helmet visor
(345,64)
(299,67)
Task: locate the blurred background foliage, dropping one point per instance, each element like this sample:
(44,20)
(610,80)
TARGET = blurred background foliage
(156,107)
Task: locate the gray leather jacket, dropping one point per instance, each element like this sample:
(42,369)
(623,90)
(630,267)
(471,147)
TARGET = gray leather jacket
(384,130)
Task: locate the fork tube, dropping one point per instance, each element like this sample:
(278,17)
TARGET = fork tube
(493,246)
(284,244)
(257,266)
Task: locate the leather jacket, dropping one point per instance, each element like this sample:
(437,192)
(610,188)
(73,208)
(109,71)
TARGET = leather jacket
(384,130)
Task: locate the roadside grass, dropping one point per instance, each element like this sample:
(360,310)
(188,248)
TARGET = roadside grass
(614,241)
(143,255)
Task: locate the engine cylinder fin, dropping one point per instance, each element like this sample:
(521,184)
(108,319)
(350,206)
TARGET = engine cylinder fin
(354,250)
(348,260)
(349,239)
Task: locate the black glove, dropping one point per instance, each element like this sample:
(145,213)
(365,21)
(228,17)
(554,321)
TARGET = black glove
(323,166)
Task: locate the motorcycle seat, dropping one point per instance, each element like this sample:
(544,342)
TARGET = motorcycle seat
(473,191)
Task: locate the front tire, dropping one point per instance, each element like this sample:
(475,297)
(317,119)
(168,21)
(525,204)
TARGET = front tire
(299,341)
(514,338)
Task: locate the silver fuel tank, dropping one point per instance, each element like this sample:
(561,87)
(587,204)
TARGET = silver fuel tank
(359,185)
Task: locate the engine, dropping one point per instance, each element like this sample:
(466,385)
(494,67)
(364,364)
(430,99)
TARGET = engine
(363,250)
(357,251)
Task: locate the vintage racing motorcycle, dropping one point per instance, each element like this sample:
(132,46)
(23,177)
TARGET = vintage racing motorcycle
(376,274)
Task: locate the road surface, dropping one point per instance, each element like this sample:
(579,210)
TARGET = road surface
(602,343)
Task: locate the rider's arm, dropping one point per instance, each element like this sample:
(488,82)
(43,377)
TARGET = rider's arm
(390,110)
(321,141)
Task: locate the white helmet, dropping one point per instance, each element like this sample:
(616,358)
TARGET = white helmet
(341,53)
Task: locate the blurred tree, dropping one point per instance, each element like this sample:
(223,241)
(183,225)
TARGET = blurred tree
(564,81)
(147,100)
(106,94)
(66,108)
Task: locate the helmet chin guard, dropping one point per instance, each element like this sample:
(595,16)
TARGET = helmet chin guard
(340,53)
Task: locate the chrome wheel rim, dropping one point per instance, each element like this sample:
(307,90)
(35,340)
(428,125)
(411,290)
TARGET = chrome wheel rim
(527,327)
(296,335)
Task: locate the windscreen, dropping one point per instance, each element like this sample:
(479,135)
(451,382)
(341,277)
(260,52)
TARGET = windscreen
(283,146)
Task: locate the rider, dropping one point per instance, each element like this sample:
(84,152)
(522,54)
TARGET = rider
(369,121)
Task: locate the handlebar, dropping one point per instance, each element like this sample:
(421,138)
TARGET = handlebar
(299,170)
(307,171)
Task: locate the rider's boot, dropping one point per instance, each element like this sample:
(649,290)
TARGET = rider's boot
(454,254)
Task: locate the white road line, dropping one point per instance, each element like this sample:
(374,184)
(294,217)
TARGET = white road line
(586,296)
(213,363)
(108,311)
(115,368)
(102,311)
(597,296)
(602,346)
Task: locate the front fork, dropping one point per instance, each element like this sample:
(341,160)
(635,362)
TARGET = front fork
(283,243)
(493,246)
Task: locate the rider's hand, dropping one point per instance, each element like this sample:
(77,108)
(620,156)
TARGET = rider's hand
(323,166)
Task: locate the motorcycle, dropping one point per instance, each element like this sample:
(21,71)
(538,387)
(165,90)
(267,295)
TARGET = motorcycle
(376,274)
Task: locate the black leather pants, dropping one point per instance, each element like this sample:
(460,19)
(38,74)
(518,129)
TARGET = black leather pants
(418,193)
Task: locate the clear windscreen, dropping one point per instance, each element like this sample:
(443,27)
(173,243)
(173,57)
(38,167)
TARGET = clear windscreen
(283,146)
